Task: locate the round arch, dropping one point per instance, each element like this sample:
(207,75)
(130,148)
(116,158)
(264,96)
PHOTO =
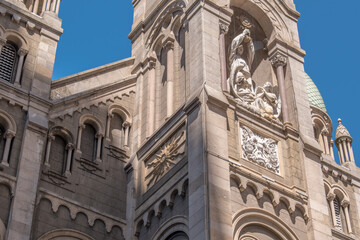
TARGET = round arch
(17,38)
(7,121)
(261,218)
(65,233)
(91,119)
(62,132)
(263,12)
(124,114)
(173,225)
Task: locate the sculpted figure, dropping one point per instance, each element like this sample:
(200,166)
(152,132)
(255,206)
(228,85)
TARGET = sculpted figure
(267,101)
(241,56)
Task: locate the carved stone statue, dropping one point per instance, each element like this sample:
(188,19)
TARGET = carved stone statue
(267,101)
(262,100)
(240,76)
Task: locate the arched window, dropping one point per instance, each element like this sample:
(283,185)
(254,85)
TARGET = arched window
(116,132)
(337,210)
(8,62)
(58,155)
(88,142)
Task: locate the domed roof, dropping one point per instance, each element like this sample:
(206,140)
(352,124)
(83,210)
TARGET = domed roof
(342,132)
(314,94)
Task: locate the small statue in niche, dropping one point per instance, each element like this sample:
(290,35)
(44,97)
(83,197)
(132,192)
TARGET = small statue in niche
(262,99)
(240,76)
(267,101)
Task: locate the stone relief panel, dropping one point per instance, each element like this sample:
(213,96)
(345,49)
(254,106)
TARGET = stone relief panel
(260,150)
(166,157)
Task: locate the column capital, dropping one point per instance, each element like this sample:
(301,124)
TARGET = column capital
(224,28)
(99,135)
(330,196)
(9,134)
(82,126)
(22,52)
(325,132)
(51,138)
(70,146)
(2,41)
(345,203)
(169,43)
(110,115)
(126,124)
(278,59)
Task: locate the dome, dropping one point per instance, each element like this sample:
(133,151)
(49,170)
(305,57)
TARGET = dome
(314,94)
(342,132)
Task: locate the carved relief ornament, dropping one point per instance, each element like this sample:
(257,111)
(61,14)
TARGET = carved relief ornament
(260,150)
(165,159)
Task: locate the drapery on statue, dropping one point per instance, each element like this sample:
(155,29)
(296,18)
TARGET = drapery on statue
(242,54)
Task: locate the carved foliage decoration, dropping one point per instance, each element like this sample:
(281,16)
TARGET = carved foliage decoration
(166,158)
(260,150)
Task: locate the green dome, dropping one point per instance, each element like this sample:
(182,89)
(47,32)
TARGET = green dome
(314,94)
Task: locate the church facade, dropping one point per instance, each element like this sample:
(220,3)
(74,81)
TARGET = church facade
(210,130)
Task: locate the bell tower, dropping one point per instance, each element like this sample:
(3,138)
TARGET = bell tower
(29,33)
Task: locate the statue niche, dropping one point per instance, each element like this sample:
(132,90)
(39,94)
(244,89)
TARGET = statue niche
(242,52)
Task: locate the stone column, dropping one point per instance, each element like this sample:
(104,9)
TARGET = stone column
(2,43)
(326,142)
(70,147)
(57,7)
(279,61)
(126,126)
(343,142)
(53,5)
(78,147)
(43,6)
(341,152)
(345,204)
(151,96)
(223,30)
(36,6)
(169,46)
(332,149)
(51,138)
(9,135)
(99,137)
(351,153)
(110,116)
(330,198)
(22,52)
(48,5)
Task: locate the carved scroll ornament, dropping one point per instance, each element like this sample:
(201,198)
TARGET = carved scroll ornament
(260,150)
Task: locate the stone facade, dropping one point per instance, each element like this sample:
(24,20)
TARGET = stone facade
(211,130)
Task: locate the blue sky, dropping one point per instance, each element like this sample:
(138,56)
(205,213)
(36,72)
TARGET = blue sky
(96,34)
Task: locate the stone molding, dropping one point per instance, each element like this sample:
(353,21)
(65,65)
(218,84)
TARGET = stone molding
(177,223)
(278,192)
(247,217)
(65,233)
(76,207)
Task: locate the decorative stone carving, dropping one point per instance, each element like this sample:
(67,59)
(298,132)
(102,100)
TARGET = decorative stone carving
(260,150)
(262,100)
(165,159)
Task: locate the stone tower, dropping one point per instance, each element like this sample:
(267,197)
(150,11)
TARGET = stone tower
(29,32)
(210,130)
